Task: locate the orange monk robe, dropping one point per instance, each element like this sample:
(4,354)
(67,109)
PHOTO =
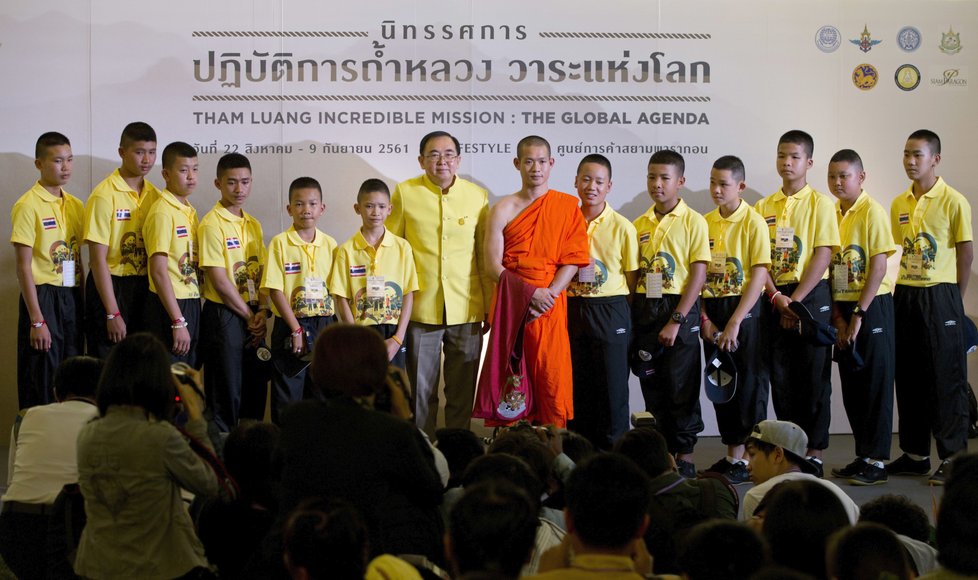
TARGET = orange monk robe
(548,234)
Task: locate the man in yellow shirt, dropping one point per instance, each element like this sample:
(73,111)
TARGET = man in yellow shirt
(932,222)
(46,233)
(117,284)
(232,257)
(443,217)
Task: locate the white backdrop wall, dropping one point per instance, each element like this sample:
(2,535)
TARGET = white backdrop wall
(345,92)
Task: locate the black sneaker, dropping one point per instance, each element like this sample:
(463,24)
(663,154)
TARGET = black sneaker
(940,476)
(849,470)
(817,464)
(721,467)
(905,465)
(686,469)
(738,474)
(870,475)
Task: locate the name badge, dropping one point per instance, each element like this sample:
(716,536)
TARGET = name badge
(915,266)
(190,251)
(653,285)
(586,274)
(252,294)
(315,288)
(68,273)
(784,238)
(718,263)
(375,287)
(840,277)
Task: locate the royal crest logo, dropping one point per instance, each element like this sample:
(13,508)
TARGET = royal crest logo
(865,42)
(909,39)
(950,41)
(865,77)
(828,38)
(907,77)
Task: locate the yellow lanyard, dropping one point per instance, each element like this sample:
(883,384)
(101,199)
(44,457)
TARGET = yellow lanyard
(657,239)
(915,227)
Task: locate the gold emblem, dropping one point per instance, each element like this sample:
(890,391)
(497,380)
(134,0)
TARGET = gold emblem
(907,77)
(865,76)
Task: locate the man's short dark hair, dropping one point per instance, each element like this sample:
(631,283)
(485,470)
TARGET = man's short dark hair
(847,156)
(722,549)
(373,185)
(460,447)
(898,513)
(492,528)
(532,141)
(525,445)
(867,550)
(733,164)
(305,183)
(326,537)
(595,158)
(49,139)
(800,517)
(957,520)
(933,141)
(136,132)
(137,373)
(232,161)
(77,376)
(796,137)
(504,467)
(669,157)
(647,448)
(437,134)
(177,150)
(607,498)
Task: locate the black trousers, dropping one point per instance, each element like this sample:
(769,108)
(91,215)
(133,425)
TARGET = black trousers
(672,392)
(931,370)
(599,331)
(867,394)
(62,313)
(236,381)
(801,373)
(130,294)
(748,407)
(288,388)
(386,331)
(159,323)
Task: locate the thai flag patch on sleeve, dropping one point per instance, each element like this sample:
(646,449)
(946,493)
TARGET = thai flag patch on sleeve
(49,223)
(123,215)
(644,238)
(358,271)
(293,267)
(771,220)
(232,243)
(904,219)
(181,231)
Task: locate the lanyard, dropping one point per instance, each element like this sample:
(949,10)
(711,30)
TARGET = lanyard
(657,239)
(915,227)
(311,257)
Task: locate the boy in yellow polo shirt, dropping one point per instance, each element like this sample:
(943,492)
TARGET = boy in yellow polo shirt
(46,233)
(170,232)
(741,255)
(804,233)
(374,277)
(932,222)
(295,277)
(117,284)
(863,314)
(598,315)
(674,251)
(232,323)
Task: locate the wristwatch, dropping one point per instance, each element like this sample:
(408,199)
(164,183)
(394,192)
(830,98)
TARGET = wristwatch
(677,317)
(857,311)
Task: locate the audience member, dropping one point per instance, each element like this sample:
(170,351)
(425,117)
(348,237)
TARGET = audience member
(910,523)
(957,523)
(866,551)
(460,447)
(722,550)
(528,444)
(576,446)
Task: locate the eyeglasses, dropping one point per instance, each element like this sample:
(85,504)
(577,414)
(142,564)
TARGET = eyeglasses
(435,157)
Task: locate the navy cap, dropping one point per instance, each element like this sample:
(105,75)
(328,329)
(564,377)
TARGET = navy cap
(720,377)
(815,332)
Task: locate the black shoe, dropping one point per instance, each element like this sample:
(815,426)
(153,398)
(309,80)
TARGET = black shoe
(817,464)
(686,469)
(721,467)
(870,475)
(940,476)
(849,470)
(904,465)
(738,474)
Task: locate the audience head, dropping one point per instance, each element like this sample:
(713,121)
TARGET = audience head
(866,551)
(248,453)
(460,447)
(77,377)
(491,528)
(504,467)
(776,447)
(576,446)
(607,502)
(647,448)
(899,514)
(957,520)
(524,443)
(800,517)
(349,360)
(325,539)
(721,550)
(137,373)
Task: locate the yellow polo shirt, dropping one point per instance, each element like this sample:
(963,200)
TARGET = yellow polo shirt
(294,264)
(865,232)
(52,227)
(613,242)
(742,240)
(114,218)
(812,215)
(445,231)
(170,228)
(929,229)
(670,246)
(235,244)
(356,260)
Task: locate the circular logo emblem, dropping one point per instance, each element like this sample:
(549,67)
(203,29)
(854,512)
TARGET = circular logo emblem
(828,38)
(907,77)
(865,76)
(908,39)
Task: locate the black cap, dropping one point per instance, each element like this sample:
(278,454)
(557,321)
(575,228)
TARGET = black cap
(720,377)
(815,332)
